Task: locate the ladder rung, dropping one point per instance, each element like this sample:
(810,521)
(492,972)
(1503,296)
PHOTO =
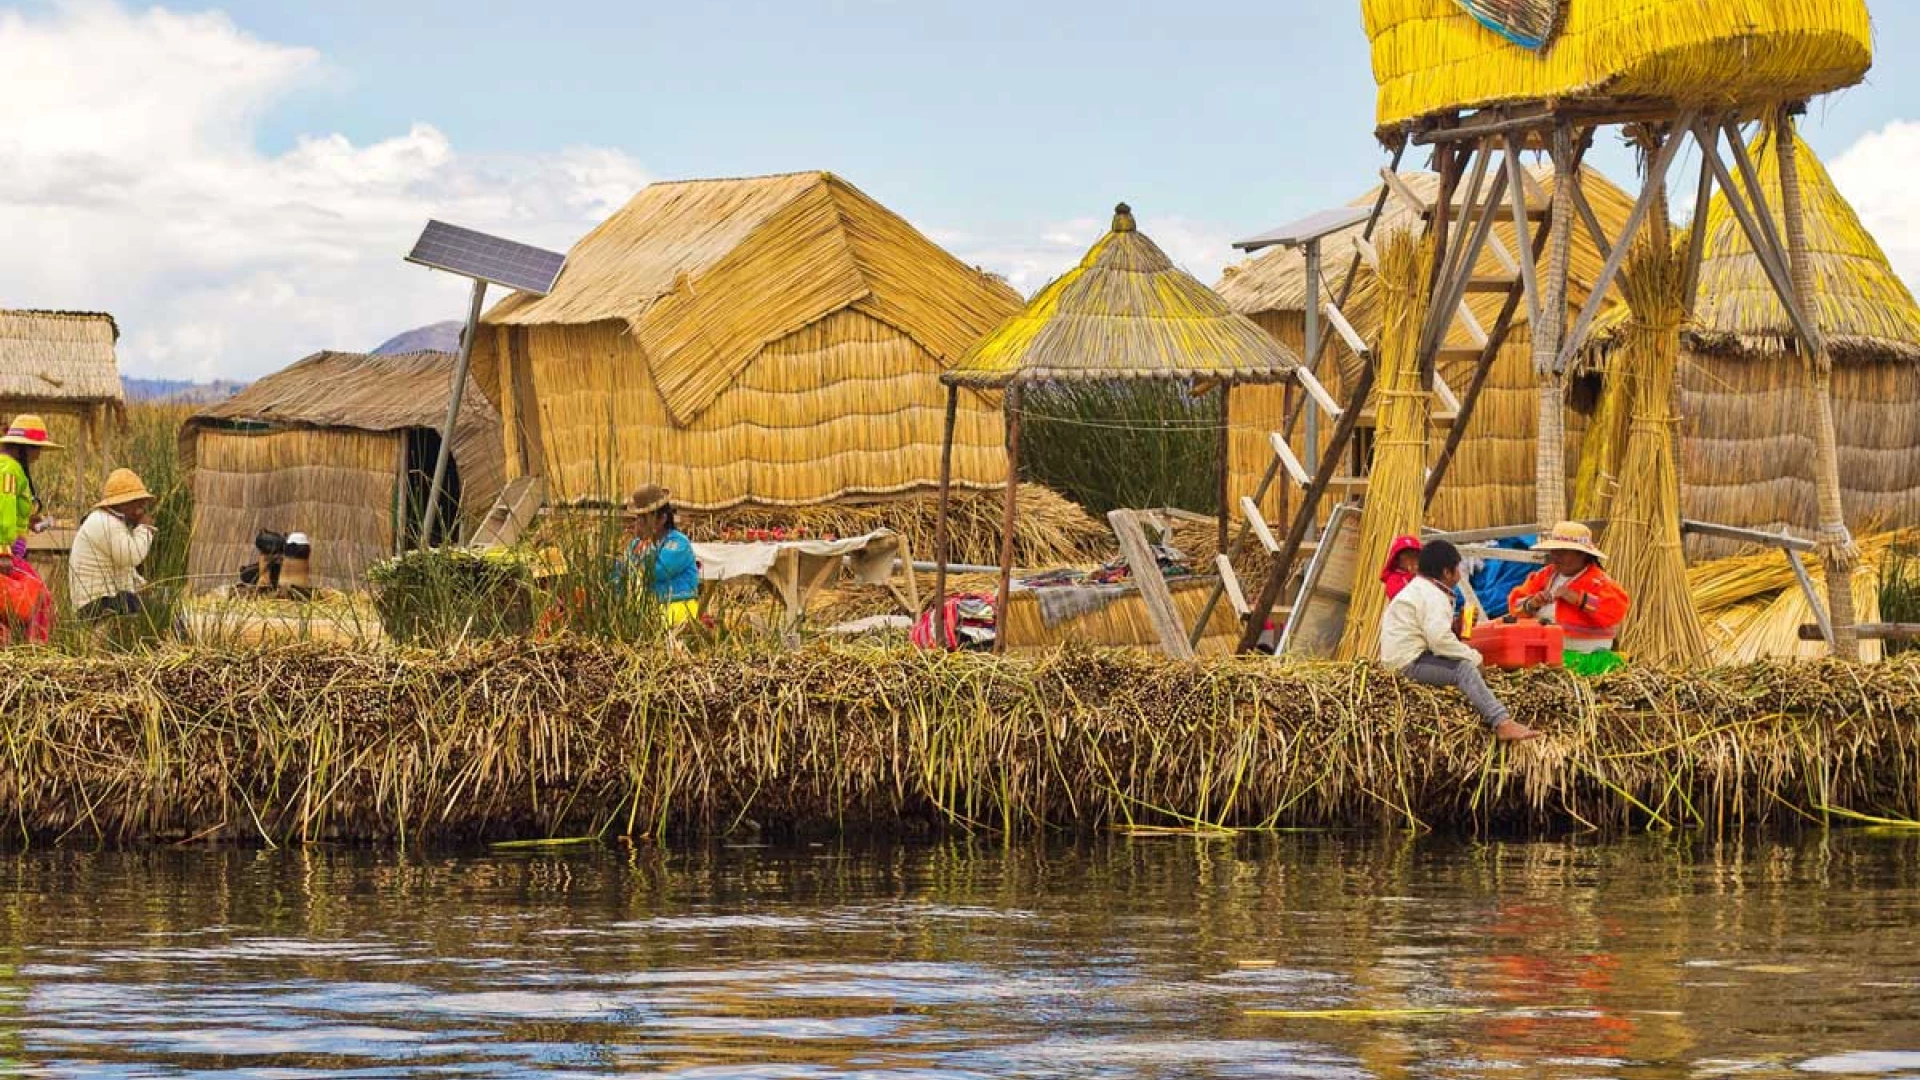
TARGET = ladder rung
(1259,525)
(1534,213)
(1461,352)
(1230,582)
(1492,283)
(1287,459)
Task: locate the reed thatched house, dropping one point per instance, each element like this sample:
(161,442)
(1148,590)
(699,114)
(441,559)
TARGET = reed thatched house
(1746,415)
(340,446)
(772,341)
(1491,480)
(61,365)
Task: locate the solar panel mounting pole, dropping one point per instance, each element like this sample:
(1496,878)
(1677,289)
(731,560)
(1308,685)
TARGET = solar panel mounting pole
(1313,346)
(453,412)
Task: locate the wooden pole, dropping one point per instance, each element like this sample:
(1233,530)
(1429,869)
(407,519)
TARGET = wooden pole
(1225,474)
(1008,518)
(941,544)
(1837,550)
(454,395)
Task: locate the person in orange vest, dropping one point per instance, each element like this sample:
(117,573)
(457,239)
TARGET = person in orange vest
(1574,591)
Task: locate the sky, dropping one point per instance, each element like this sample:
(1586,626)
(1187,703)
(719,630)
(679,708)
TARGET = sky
(237,182)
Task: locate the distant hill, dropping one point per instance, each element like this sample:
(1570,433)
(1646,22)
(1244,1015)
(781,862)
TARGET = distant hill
(438,337)
(179,390)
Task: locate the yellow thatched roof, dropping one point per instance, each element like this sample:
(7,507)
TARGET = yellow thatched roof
(1126,312)
(58,356)
(1861,305)
(1432,56)
(706,273)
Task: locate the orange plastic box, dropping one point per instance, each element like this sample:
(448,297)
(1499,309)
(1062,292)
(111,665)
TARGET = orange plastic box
(1523,643)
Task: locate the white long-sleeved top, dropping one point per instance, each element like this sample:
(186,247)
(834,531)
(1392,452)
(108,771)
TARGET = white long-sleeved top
(1420,620)
(107,553)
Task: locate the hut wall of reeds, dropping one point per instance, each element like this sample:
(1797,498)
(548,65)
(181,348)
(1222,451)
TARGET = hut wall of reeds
(61,364)
(769,341)
(1434,56)
(338,446)
(1491,480)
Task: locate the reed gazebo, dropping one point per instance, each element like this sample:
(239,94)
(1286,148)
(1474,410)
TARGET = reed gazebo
(61,364)
(1125,313)
(1483,82)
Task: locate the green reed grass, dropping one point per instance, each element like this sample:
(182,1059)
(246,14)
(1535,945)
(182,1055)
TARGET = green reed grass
(1108,446)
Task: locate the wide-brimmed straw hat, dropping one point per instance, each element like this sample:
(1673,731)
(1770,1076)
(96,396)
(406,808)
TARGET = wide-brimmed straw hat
(123,486)
(28,430)
(647,499)
(1570,536)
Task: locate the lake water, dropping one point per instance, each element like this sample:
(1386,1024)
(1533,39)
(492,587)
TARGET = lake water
(1290,956)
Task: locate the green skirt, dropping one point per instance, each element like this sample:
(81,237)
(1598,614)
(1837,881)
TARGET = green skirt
(1593,664)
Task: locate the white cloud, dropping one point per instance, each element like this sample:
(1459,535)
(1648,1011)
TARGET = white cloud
(1876,174)
(1029,264)
(131,180)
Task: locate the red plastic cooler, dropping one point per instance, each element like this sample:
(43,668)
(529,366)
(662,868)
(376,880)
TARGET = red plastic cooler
(1523,643)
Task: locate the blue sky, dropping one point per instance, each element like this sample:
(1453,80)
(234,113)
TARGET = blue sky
(275,152)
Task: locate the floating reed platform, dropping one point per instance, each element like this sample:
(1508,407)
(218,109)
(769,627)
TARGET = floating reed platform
(563,740)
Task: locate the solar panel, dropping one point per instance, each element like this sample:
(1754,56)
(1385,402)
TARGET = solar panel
(1312,227)
(489,258)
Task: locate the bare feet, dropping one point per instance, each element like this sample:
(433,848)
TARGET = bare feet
(1510,731)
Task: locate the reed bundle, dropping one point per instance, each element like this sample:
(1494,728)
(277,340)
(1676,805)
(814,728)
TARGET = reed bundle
(1432,57)
(1643,534)
(1396,489)
(1752,606)
(518,740)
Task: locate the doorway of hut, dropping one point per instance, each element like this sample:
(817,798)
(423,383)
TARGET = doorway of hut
(421,450)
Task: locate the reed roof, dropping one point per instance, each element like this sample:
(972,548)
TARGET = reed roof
(355,390)
(1860,304)
(706,273)
(59,357)
(1126,312)
(1433,57)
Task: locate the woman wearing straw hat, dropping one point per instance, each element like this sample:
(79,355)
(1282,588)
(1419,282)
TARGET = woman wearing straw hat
(103,573)
(661,556)
(1575,592)
(28,600)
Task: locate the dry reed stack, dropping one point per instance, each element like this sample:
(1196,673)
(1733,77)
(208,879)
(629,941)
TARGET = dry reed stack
(773,341)
(1491,479)
(520,741)
(1397,484)
(1752,606)
(339,446)
(1643,534)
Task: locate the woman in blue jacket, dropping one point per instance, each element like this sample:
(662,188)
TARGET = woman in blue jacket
(659,557)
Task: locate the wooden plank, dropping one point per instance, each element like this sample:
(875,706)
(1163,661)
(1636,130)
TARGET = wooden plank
(1868,632)
(1405,194)
(1259,525)
(1367,252)
(1748,536)
(1236,597)
(1491,283)
(1345,329)
(1318,392)
(1288,461)
(1481,551)
(1318,615)
(516,508)
(1153,587)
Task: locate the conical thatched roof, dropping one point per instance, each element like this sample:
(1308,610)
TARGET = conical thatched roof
(1432,57)
(1861,305)
(58,356)
(706,273)
(1126,312)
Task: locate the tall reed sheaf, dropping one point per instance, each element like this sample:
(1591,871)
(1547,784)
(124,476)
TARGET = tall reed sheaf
(1643,535)
(572,738)
(1397,485)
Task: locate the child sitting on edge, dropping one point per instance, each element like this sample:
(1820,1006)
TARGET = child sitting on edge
(1417,640)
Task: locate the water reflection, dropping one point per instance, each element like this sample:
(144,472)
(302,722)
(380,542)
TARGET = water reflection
(1286,956)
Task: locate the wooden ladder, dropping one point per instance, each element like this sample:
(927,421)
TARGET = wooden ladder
(1498,186)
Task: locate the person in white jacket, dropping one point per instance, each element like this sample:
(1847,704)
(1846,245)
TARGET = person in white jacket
(103,572)
(1418,640)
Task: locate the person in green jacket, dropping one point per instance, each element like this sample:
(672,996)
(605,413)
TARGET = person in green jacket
(28,601)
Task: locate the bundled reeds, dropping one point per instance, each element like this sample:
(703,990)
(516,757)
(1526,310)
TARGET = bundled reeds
(1643,534)
(1753,608)
(1432,58)
(568,739)
(1396,489)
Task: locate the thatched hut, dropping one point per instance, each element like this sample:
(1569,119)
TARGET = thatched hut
(340,446)
(772,341)
(1747,419)
(1491,480)
(61,365)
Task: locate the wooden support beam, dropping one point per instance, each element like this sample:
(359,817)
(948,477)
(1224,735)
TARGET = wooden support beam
(1868,632)
(1152,585)
(1529,273)
(1347,333)
(1697,236)
(1779,540)
(1776,273)
(1820,614)
(1284,455)
(942,553)
(1261,532)
(1318,393)
(1016,400)
(1590,219)
(1230,581)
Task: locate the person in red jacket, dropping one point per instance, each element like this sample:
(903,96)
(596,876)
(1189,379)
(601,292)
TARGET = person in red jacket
(1574,591)
(1403,564)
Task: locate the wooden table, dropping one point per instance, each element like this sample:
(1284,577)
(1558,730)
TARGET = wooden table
(794,571)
